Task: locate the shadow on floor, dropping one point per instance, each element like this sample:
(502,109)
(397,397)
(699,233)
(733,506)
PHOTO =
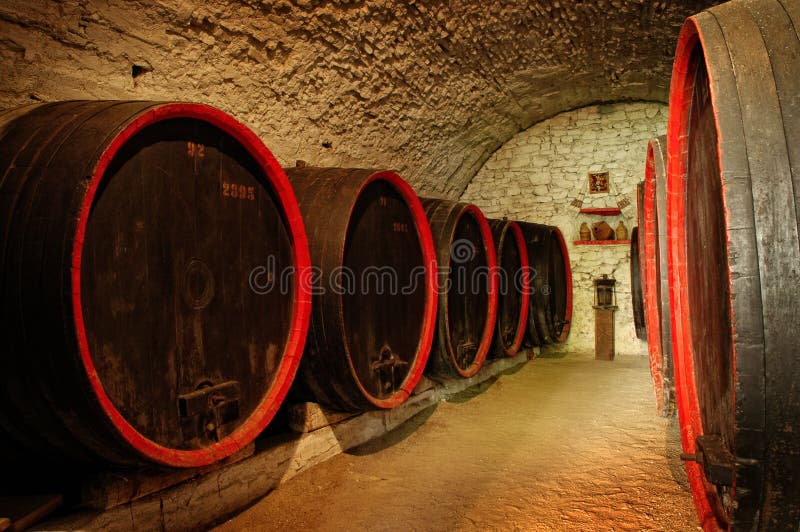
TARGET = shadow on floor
(395,436)
(513,370)
(472,392)
(552,353)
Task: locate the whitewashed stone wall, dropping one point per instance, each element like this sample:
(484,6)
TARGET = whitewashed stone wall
(534,176)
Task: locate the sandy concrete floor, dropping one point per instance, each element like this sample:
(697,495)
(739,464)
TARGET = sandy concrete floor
(562,444)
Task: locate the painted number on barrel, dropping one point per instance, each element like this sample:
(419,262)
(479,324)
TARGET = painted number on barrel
(193,149)
(242,192)
(400,227)
(383,201)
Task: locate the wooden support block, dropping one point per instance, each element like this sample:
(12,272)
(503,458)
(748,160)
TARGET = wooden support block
(308,417)
(111,489)
(604,333)
(416,404)
(423,385)
(23,511)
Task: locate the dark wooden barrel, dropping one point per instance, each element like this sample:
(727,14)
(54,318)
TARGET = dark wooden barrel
(640,225)
(375,299)
(637,297)
(551,281)
(130,234)
(513,298)
(467,261)
(656,281)
(637,267)
(734,177)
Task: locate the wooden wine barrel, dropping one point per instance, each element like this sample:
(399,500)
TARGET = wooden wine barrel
(375,298)
(640,224)
(551,294)
(656,281)
(560,281)
(514,288)
(734,177)
(465,252)
(637,298)
(637,267)
(130,234)
(532,233)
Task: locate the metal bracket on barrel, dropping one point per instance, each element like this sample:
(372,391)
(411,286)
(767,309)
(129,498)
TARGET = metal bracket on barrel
(508,334)
(216,405)
(713,456)
(465,352)
(387,361)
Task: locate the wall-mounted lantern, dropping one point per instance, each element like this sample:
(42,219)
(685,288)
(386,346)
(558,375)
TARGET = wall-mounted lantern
(604,292)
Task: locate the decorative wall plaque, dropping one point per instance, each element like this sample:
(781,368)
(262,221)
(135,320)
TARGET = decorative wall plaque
(598,183)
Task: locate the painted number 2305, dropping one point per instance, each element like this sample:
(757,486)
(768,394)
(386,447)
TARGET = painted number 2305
(242,192)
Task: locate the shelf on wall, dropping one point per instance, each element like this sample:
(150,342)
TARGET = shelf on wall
(602,211)
(602,242)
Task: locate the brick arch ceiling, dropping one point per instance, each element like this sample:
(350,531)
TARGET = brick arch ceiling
(431,88)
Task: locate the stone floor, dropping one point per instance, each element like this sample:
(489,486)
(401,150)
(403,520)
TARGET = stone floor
(563,443)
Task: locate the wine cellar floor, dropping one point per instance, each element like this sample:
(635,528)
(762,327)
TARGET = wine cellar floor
(563,442)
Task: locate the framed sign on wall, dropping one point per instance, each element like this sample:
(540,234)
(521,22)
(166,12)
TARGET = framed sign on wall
(599,183)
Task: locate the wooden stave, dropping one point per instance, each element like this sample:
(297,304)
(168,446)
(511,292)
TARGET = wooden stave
(327,355)
(657,307)
(637,301)
(544,326)
(89,134)
(502,230)
(736,41)
(444,217)
(641,331)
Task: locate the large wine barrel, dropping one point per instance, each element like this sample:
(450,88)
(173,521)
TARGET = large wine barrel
(637,298)
(734,180)
(551,285)
(656,281)
(467,261)
(131,332)
(637,268)
(640,224)
(514,288)
(375,299)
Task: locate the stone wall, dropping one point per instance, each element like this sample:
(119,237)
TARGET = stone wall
(429,88)
(536,175)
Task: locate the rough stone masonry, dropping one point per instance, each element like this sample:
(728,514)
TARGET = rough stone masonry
(429,88)
(536,175)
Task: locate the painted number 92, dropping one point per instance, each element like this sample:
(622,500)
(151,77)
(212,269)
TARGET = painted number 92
(193,149)
(242,192)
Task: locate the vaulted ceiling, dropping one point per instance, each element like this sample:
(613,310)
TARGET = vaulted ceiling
(430,88)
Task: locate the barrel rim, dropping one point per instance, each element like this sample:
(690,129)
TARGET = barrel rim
(651,265)
(642,255)
(491,313)
(431,301)
(568,281)
(277,179)
(683,75)
(522,321)
(534,231)
(636,283)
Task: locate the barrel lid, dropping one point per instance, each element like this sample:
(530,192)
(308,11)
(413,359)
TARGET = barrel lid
(199,291)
